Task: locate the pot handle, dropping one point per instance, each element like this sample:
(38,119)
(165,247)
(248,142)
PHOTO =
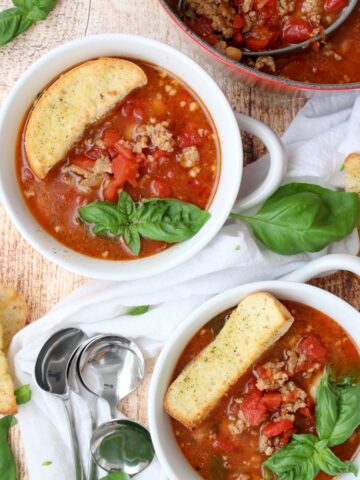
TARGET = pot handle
(278,161)
(325,265)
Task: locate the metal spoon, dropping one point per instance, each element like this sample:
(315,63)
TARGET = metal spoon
(183,4)
(51,374)
(111,367)
(122,446)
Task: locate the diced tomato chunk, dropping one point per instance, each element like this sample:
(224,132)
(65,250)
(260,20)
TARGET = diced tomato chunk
(272,401)
(110,137)
(82,161)
(202,26)
(238,22)
(273,429)
(223,445)
(305,411)
(263,372)
(285,437)
(296,30)
(238,38)
(125,169)
(157,154)
(159,188)
(255,44)
(312,347)
(253,411)
(111,191)
(331,6)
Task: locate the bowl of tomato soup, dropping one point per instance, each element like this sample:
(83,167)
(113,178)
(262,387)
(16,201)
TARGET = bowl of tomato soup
(275,398)
(222,30)
(135,176)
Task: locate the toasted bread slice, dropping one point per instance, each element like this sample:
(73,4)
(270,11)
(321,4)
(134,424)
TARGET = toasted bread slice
(13,314)
(75,100)
(7,396)
(256,324)
(352,173)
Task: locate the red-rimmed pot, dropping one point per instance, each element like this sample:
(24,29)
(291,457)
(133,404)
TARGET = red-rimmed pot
(250,75)
(291,287)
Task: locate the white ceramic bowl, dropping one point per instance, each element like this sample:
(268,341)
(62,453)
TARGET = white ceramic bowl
(44,70)
(290,287)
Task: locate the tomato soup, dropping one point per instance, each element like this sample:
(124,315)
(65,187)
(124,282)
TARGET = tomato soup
(158,142)
(271,402)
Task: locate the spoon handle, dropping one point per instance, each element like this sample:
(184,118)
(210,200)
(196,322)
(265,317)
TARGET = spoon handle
(74,442)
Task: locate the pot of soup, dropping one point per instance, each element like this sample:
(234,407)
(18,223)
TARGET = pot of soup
(122,158)
(262,382)
(223,31)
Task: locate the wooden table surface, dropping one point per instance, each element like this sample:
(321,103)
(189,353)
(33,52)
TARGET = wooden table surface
(44,284)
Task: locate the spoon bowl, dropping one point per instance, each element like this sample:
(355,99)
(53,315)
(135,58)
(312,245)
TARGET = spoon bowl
(111,367)
(51,374)
(122,446)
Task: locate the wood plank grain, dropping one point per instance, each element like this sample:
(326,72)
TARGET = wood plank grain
(43,283)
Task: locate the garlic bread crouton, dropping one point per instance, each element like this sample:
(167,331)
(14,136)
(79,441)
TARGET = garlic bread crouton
(352,173)
(13,314)
(7,396)
(75,100)
(256,324)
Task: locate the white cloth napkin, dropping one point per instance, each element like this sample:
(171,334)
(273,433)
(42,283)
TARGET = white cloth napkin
(318,139)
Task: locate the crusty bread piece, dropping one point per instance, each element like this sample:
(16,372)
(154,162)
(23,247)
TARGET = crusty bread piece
(256,324)
(352,173)
(13,314)
(7,397)
(75,100)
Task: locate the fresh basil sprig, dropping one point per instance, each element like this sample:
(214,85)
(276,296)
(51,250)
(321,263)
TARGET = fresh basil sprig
(302,217)
(7,460)
(167,220)
(19,18)
(337,417)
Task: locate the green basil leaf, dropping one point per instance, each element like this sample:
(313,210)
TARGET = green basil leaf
(295,460)
(132,239)
(105,217)
(7,460)
(126,205)
(169,220)
(140,310)
(348,418)
(326,407)
(45,6)
(337,410)
(23,394)
(12,23)
(329,463)
(301,217)
(117,476)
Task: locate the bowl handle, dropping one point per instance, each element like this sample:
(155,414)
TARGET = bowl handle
(325,265)
(278,161)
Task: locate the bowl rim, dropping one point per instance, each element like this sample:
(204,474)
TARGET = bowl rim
(256,74)
(195,321)
(176,255)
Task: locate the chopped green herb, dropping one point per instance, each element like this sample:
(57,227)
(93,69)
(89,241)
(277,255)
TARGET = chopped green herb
(237,247)
(23,394)
(140,310)
(47,463)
